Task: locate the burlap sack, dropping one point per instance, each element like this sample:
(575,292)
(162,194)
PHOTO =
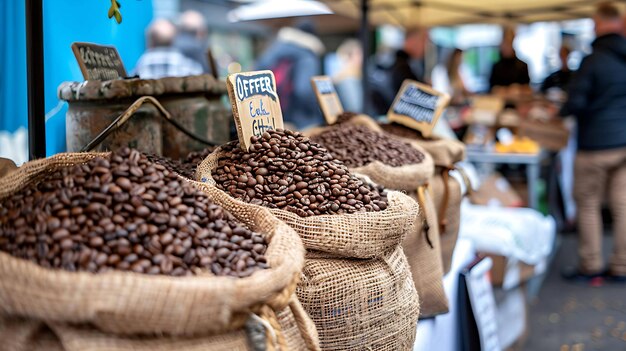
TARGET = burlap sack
(361,304)
(403,178)
(354,263)
(446,190)
(447,200)
(423,251)
(358,235)
(130,303)
(423,248)
(18,334)
(424,256)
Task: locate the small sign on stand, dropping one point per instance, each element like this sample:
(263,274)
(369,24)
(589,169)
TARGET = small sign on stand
(255,104)
(98,62)
(327,98)
(477,308)
(418,106)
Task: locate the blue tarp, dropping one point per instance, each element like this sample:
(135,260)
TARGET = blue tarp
(65,21)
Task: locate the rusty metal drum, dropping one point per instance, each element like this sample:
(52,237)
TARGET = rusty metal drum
(86,119)
(194,102)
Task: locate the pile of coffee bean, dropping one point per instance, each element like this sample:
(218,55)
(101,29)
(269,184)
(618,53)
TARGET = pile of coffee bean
(358,146)
(401,131)
(285,170)
(196,157)
(345,117)
(175,166)
(126,213)
(187,166)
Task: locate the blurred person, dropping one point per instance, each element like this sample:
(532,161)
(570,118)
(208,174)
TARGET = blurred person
(448,78)
(294,58)
(597,98)
(162,59)
(561,78)
(192,38)
(348,81)
(509,70)
(413,50)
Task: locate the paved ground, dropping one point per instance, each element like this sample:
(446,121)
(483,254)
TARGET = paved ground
(576,317)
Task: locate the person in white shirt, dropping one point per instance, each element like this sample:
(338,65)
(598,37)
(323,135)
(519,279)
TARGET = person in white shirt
(162,59)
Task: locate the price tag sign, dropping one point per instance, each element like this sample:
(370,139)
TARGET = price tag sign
(418,106)
(327,98)
(99,62)
(255,104)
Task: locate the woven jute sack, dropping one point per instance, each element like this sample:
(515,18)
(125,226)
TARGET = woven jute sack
(446,190)
(19,334)
(403,178)
(130,303)
(447,200)
(423,251)
(356,235)
(361,304)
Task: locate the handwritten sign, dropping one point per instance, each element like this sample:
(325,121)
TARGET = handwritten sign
(483,304)
(255,104)
(418,106)
(327,98)
(99,62)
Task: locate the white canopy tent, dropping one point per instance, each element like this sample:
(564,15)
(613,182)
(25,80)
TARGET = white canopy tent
(429,13)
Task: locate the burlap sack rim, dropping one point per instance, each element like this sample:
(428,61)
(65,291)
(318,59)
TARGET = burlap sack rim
(402,204)
(405,177)
(285,255)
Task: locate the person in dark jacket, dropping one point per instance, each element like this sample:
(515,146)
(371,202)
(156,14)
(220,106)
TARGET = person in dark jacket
(561,78)
(294,58)
(413,50)
(192,38)
(597,97)
(509,70)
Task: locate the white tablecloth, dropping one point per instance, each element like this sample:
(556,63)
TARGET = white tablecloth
(441,333)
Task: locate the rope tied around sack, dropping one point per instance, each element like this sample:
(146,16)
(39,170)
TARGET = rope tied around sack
(445,175)
(421,197)
(266,315)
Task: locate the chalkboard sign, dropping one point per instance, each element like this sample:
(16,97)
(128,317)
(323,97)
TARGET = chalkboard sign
(255,104)
(327,98)
(98,62)
(418,106)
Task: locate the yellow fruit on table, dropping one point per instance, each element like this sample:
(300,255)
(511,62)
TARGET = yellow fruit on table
(520,145)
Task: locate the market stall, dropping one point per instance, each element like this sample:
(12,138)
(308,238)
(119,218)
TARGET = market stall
(362,233)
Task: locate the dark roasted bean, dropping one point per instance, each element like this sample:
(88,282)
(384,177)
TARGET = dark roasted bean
(293,174)
(125,212)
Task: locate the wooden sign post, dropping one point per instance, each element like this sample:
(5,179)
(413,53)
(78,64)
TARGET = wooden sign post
(255,104)
(99,62)
(418,106)
(327,98)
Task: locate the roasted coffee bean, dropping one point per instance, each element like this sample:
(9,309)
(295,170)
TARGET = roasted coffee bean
(293,174)
(345,117)
(186,167)
(125,212)
(358,145)
(402,131)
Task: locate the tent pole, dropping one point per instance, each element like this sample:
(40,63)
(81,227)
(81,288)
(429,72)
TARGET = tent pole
(365,43)
(34,64)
